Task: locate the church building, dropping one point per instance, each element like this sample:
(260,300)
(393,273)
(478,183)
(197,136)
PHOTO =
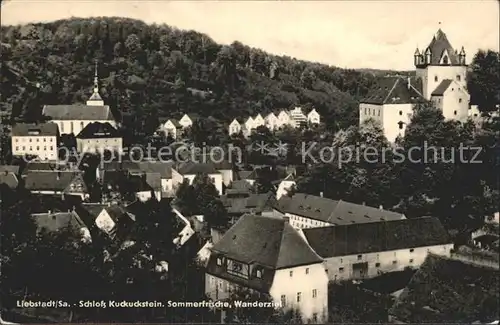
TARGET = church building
(72,119)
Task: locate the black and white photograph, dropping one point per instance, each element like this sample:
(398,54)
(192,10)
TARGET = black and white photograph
(249,162)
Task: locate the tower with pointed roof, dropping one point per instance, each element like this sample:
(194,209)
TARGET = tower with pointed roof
(438,62)
(95,99)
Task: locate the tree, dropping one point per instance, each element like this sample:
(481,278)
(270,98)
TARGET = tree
(484,81)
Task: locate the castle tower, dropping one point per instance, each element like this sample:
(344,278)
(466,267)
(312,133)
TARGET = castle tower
(438,62)
(95,99)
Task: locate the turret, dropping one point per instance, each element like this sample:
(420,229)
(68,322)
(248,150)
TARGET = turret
(95,99)
(417,57)
(461,56)
(428,56)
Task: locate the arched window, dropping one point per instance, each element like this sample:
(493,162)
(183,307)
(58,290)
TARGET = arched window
(400,125)
(445,60)
(400,112)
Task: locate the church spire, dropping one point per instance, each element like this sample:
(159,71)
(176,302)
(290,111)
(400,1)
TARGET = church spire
(95,99)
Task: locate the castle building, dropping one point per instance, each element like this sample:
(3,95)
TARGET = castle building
(440,78)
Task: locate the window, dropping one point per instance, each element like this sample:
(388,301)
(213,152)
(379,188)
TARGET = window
(298,296)
(44,140)
(315,318)
(445,60)
(454,112)
(360,257)
(307,270)
(37,148)
(259,274)
(238,269)
(51,148)
(341,261)
(37,139)
(341,270)
(365,110)
(16,140)
(458,77)
(71,127)
(291,273)
(17,148)
(436,78)
(378,112)
(24,148)
(31,148)
(283,300)
(315,293)
(394,262)
(219,261)
(81,125)
(400,112)
(411,260)
(412,250)
(460,100)
(400,125)
(30,139)
(377,264)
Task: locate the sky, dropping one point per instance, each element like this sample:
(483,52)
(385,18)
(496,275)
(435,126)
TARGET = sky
(374,34)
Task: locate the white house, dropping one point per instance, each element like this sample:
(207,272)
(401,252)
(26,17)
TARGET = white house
(258,121)
(186,232)
(310,211)
(313,117)
(187,120)
(171,128)
(99,137)
(285,185)
(249,124)
(378,247)
(189,170)
(283,118)
(114,220)
(271,121)
(35,139)
(452,99)
(265,254)
(72,119)
(297,117)
(234,127)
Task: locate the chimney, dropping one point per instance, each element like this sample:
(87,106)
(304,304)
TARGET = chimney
(286,219)
(409,82)
(321,194)
(49,212)
(381,207)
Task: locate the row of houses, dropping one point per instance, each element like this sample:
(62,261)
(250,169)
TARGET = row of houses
(275,120)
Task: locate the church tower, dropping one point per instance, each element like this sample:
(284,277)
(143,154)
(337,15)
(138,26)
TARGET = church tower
(95,99)
(439,62)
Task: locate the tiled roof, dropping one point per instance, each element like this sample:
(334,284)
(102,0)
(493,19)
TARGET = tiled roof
(373,237)
(269,242)
(159,167)
(242,203)
(117,212)
(98,130)
(444,290)
(393,90)
(40,166)
(53,181)
(247,174)
(9,179)
(334,212)
(42,129)
(78,112)
(441,88)
(240,184)
(438,45)
(53,222)
(192,168)
(9,168)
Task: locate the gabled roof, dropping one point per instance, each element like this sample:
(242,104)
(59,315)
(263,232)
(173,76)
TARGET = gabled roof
(57,221)
(95,97)
(438,46)
(362,238)
(27,129)
(269,242)
(192,168)
(54,181)
(244,202)
(247,174)
(78,112)
(9,179)
(164,169)
(118,212)
(445,85)
(393,90)
(41,166)
(331,211)
(9,168)
(174,122)
(97,130)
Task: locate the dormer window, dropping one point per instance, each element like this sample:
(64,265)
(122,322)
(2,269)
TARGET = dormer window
(259,274)
(219,261)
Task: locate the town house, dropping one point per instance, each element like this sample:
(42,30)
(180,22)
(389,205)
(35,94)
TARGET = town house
(56,183)
(189,170)
(365,250)
(266,255)
(99,137)
(38,140)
